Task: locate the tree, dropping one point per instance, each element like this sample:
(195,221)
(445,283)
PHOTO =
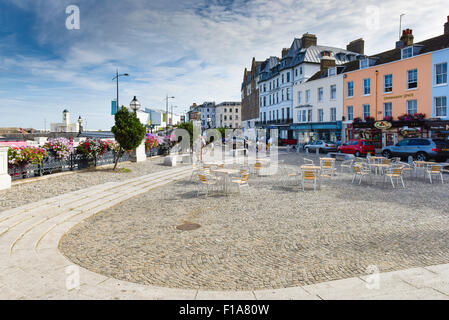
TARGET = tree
(128,131)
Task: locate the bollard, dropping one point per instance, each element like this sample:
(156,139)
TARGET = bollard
(5,179)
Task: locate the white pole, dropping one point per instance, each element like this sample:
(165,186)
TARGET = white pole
(5,179)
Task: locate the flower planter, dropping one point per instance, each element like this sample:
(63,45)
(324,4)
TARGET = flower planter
(86,163)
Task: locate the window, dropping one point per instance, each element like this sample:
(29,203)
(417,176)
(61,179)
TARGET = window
(320,94)
(364,63)
(304,115)
(265,101)
(300,70)
(230,117)
(307,96)
(412,79)
(277,96)
(296,72)
(225,117)
(331,72)
(225,110)
(265,87)
(441,106)
(412,106)
(277,114)
(270,85)
(388,109)
(282,94)
(350,89)
(277,83)
(282,78)
(288,113)
(333,92)
(441,73)
(320,115)
(288,93)
(407,52)
(309,116)
(366,111)
(350,113)
(388,83)
(299,97)
(288,77)
(236,110)
(366,87)
(333,114)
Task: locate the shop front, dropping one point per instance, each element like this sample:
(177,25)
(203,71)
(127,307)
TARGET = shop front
(438,129)
(387,133)
(307,132)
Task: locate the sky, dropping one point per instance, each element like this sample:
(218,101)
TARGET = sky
(194,50)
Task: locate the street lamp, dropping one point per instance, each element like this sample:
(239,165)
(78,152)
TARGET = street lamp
(166,111)
(80,122)
(135,105)
(116,78)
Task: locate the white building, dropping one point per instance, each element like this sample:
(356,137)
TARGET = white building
(318,104)
(65,125)
(229,115)
(297,65)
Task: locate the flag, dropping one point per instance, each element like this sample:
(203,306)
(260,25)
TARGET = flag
(113,107)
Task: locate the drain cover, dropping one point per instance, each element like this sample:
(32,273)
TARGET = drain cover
(188,226)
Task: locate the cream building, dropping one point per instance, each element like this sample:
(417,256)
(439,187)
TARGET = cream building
(65,125)
(228,115)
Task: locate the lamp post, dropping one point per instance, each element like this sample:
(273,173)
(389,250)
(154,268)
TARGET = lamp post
(80,122)
(135,105)
(116,78)
(166,112)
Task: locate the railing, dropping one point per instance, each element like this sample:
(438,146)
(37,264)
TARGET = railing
(51,164)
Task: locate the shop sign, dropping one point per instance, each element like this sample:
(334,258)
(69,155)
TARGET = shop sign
(385,125)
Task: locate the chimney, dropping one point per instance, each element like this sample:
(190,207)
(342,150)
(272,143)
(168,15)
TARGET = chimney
(357,46)
(327,62)
(407,37)
(308,40)
(284,52)
(446,26)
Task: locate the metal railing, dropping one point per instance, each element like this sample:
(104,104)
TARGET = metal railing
(51,164)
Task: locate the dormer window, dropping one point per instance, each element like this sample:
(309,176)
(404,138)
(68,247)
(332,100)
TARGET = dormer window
(332,72)
(364,63)
(407,52)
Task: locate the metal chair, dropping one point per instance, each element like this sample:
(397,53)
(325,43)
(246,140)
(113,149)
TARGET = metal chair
(395,173)
(206,181)
(346,164)
(434,171)
(361,172)
(243,182)
(310,175)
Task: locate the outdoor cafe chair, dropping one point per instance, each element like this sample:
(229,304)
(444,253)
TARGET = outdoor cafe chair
(243,182)
(395,173)
(206,182)
(308,161)
(434,170)
(328,167)
(346,165)
(310,175)
(361,172)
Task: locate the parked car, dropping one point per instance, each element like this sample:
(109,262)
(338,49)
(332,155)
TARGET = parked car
(357,147)
(421,149)
(321,145)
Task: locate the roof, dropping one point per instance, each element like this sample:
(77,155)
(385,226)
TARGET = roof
(429,45)
(298,55)
(323,73)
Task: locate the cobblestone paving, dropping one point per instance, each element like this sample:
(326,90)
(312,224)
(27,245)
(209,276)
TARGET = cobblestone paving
(274,237)
(22,194)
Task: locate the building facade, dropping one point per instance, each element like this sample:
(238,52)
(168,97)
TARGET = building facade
(65,125)
(318,105)
(229,115)
(250,95)
(399,87)
(298,63)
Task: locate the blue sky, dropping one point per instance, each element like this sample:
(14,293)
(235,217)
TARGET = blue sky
(193,50)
